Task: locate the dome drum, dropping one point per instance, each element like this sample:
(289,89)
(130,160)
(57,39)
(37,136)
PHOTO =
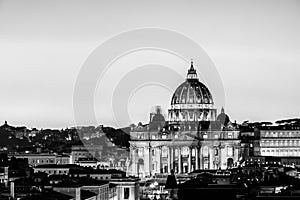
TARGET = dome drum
(192,115)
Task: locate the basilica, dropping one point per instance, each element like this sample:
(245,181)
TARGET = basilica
(192,137)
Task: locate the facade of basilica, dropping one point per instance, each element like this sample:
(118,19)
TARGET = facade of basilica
(193,137)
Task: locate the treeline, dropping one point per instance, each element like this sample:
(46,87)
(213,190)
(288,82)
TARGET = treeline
(21,139)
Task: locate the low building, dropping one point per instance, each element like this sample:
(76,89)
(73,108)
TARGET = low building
(98,174)
(112,191)
(53,169)
(88,162)
(127,188)
(63,159)
(81,188)
(250,142)
(85,151)
(4,175)
(35,159)
(102,188)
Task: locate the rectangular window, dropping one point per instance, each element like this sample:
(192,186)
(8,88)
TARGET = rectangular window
(126,193)
(140,152)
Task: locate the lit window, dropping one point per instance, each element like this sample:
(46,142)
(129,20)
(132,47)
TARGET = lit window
(205,151)
(176,152)
(193,152)
(185,151)
(230,151)
(140,152)
(216,152)
(164,152)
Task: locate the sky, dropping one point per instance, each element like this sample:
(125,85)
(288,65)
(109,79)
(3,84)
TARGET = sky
(254,45)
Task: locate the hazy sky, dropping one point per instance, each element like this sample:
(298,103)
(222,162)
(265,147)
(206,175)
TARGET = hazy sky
(255,46)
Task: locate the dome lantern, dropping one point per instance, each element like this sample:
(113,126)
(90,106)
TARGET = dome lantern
(192,74)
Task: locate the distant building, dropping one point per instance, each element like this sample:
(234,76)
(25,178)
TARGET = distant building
(193,138)
(4,175)
(77,192)
(87,162)
(85,151)
(35,159)
(98,174)
(280,141)
(53,169)
(121,188)
(127,188)
(250,142)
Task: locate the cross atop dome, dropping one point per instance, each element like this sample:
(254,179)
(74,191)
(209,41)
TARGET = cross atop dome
(192,63)
(222,110)
(192,74)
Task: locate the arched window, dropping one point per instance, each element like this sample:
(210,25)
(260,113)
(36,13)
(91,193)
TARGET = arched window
(216,151)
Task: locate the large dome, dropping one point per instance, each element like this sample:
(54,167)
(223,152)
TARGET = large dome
(192,91)
(192,100)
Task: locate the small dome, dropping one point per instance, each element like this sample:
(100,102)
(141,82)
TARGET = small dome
(157,121)
(158,118)
(223,118)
